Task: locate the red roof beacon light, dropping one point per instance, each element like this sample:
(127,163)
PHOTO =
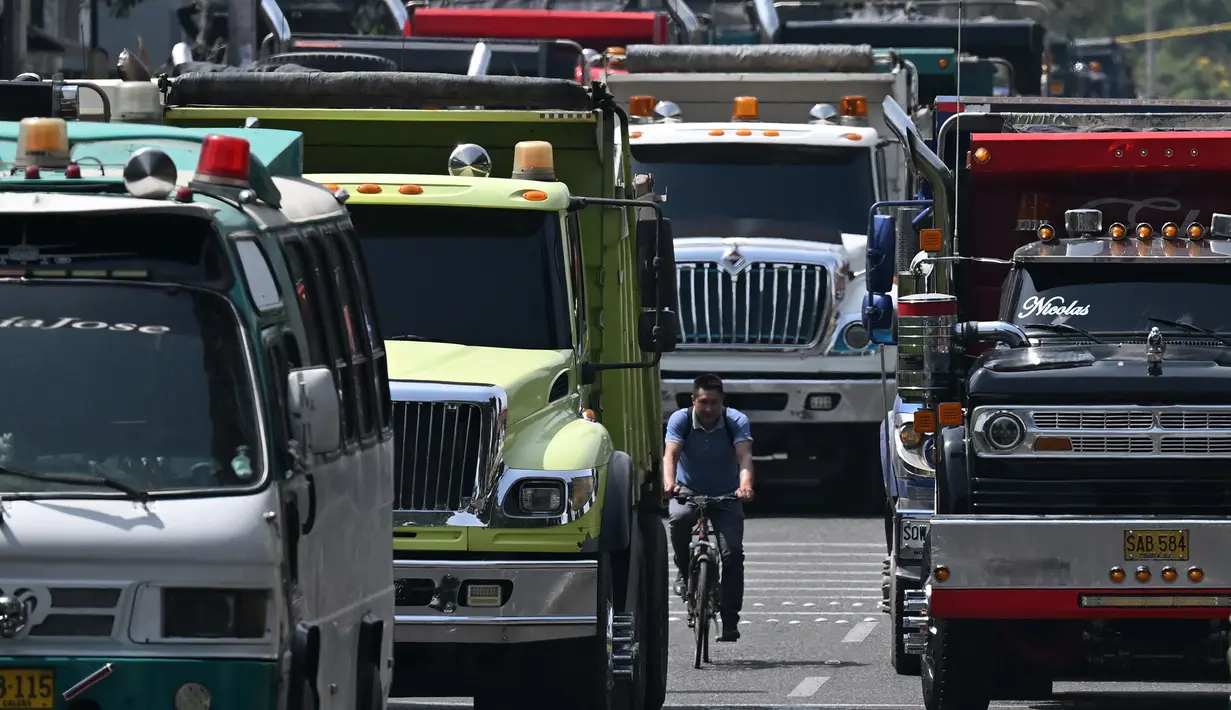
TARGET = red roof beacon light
(223,161)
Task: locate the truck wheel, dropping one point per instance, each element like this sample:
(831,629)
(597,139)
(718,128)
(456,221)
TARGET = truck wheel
(904,663)
(655,644)
(333,61)
(953,671)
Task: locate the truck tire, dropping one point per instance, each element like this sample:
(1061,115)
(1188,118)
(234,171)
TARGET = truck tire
(955,673)
(904,663)
(655,645)
(334,61)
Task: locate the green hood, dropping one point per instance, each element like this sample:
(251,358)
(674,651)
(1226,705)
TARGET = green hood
(525,375)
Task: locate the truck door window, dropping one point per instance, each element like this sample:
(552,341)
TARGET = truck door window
(297,260)
(262,286)
(358,340)
(577,279)
(327,306)
(381,405)
(325,251)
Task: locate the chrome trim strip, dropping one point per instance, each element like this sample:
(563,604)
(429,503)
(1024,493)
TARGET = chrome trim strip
(1132,438)
(574,565)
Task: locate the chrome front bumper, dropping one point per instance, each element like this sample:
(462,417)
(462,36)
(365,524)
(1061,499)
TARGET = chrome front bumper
(858,400)
(545,600)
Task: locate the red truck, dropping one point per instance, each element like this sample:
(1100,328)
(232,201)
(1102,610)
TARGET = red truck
(1064,329)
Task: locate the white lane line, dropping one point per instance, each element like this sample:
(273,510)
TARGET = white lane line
(802,613)
(842,565)
(874,545)
(798,597)
(807,589)
(808,686)
(758,553)
(867,573)
(859,632)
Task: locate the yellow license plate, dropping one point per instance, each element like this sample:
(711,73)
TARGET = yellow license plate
(26,688)
(1156,545)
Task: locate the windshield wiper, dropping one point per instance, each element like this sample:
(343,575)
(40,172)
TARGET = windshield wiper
(1066,328)
(81,480)
(406,336)
(1192,329)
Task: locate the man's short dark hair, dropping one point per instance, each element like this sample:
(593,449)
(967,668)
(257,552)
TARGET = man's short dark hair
(711,383)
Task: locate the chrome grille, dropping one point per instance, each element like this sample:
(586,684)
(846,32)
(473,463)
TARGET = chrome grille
(1112,444)
(1194,419)
(767,304)
(441,450)
(1195,445)
(1075,419)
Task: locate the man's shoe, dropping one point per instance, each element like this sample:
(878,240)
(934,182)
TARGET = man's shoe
(730,630)
(681,585)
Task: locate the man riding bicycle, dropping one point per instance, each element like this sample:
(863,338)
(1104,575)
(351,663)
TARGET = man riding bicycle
(709,452)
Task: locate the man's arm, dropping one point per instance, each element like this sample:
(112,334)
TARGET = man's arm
(743,453)
(671,450)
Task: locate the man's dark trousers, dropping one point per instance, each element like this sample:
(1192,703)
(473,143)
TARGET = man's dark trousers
(728,522)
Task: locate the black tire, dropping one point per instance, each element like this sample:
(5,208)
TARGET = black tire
(701,624)
(333,61)
(593,685)
(656,643)
(955,673)
(903,662)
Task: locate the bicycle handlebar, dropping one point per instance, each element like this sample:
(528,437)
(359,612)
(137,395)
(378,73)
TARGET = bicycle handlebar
(703,500)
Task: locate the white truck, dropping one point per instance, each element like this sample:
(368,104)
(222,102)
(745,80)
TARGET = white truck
(769,195)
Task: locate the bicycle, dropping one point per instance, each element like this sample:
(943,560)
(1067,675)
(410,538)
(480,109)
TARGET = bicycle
(704,570)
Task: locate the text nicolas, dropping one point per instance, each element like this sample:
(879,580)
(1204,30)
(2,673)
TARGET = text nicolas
(1035,307)
(79,324)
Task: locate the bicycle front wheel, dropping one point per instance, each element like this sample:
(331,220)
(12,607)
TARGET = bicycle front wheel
(701,611)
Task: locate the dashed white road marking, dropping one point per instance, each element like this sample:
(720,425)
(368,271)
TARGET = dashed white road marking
(808,686)
(859,632)
(751,588)
(865,545)
(842,565)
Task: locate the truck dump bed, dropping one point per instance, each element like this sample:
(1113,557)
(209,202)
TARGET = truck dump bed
(375,133)
(787,80)
(1153,167)
(558,59)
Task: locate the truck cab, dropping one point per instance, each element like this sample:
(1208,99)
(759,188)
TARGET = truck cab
(1052,409)
(766,217)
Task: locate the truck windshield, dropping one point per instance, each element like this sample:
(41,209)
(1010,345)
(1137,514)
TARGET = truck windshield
(1122,298)
(758,190)
(467,275)
(142,384)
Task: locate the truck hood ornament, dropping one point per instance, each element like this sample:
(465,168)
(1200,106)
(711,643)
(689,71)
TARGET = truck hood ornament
(732,261)
(1155,347)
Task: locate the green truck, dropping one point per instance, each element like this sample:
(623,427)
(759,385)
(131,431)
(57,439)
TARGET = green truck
(525,311)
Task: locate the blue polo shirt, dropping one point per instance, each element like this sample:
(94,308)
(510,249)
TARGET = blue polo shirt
(708,464)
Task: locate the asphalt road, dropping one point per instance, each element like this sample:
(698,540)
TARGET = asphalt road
(813,635)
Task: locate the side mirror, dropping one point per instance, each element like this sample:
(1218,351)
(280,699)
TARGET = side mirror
(657,331)
(662,278)
(878,318)
(881,254)
(314,409)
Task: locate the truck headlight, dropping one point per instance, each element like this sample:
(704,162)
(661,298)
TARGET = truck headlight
(908,436)
(214,613)
(541,497)
(1004,431)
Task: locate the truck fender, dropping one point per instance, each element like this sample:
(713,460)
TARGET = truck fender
(952,472)
(305,665)
(616,531)
(887,451)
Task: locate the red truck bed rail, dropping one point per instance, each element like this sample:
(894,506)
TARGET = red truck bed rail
(592,29)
